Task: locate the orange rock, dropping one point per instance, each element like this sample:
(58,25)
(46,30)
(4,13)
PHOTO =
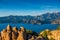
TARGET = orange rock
(9,33)
(3,34)
(9,28)
(15,33)
(0,37)
(22,34)
(15,29)
(22,29)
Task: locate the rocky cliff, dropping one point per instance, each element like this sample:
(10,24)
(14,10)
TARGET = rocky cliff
(23,34)
(15,34)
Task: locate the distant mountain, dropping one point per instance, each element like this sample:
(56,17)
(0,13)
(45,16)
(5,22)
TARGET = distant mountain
(47,18)
(53,18)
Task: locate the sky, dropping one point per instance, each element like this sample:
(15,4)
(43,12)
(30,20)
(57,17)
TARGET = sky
(28,7)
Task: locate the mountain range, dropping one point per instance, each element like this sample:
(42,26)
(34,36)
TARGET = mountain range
(47,18)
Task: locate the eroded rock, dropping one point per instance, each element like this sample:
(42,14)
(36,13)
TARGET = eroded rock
(22,34)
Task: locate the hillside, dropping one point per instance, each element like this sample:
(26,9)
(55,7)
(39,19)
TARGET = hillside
(47,18)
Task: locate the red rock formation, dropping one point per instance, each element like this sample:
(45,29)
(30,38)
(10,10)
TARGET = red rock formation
(22,34)
(9,28)
(3,34)
(15,33)
(9,33)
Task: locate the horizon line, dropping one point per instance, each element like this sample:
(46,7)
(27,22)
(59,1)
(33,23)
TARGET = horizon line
(30,14)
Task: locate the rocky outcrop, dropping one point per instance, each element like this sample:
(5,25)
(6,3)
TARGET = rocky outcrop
(3,34)
(9,33)
(55,35)
(15,34)
(32,38)
(22,34)
(0,37)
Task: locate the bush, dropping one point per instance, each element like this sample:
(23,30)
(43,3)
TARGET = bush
(31,32)
(58,28)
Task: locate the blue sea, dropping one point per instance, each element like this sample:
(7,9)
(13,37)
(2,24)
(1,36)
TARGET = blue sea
(33,27)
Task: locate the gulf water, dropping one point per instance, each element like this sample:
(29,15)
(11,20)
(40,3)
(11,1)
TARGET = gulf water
(33,27)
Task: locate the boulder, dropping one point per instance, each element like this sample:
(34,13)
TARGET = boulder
(32,38)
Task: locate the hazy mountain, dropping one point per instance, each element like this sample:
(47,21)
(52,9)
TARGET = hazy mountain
(46,18)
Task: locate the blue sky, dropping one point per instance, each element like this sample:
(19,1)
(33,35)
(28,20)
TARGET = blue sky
(28,7)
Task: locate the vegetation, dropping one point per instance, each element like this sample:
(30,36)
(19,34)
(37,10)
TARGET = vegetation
(58,28)
(31,32)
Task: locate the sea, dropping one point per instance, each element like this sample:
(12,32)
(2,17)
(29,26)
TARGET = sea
(33,27)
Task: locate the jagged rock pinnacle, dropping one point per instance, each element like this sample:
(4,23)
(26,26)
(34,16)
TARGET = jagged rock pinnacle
(15,33)
(9,28)
(22,29)
(15,29)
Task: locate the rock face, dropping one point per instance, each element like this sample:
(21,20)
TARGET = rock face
(55,34)
(3,34)
(15,34)
(22,34)
(0,37)
(9,33)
